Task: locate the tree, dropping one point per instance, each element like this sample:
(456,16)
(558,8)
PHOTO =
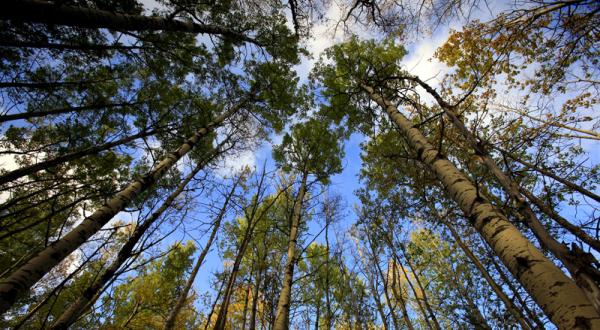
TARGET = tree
(360,65)
(310,149)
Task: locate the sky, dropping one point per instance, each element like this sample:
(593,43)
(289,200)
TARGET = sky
(419,60)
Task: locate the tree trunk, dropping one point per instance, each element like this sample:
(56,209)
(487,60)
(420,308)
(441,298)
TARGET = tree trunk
(27,275)
(562,300)
(77,308)
(421,287)
(567,183)
(576,231)
(317,314)
(221,317)
(398,295)
(378,304)
(327,282)
(171,318)
(214,305)
(516,295)
(282,319)
(246,301)
(36,11)
(495,287)
(388,300)
(577,264)
(255,292)
(66,46)
(49,84)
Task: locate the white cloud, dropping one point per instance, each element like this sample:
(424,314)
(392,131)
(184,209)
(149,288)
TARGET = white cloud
(233,164)
(421,62)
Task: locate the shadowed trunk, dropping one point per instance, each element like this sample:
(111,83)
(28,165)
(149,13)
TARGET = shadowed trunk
(31,169)
(577,262)
(488,278)
(36,11)
(77,308)
(36,114)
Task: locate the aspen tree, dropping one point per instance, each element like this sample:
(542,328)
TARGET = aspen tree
(310,149)
(357,65)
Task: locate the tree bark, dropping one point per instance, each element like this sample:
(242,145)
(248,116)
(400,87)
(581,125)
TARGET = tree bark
(36,114)
(246,301)
(577,263)
(49,84)
(282,319)
(567,183)
(66,46)
(27,275)
(252,222)
(36,11)
(398,295)
(422,288)
(255,292)
(170,322)
(563,301)
(516,295)
(388,300)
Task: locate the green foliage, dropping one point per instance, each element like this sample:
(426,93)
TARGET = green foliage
(144,299)
(312,147)
(345,68)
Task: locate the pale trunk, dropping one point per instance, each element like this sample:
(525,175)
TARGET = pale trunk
(516,294)
(282,318)
(77,308)
(54,112)
(425,299)
(514,191)
(567,183)
(562,300)
(36,11)
(398,295)
(31,169)
(497,289)
(222,315)
(576,263)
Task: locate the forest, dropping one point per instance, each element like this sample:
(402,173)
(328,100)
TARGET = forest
(299,164)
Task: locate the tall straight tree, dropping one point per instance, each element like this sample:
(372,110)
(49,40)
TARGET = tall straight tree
(310,149)
(358,79)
